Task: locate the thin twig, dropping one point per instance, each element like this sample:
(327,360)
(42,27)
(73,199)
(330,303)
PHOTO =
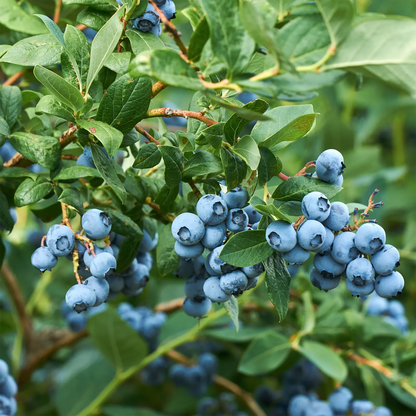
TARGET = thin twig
(69,157)
(58,8)
(195,190)
(170,112)
(147,135)
(13,79)
(157,88)
(283,177)
(170,306)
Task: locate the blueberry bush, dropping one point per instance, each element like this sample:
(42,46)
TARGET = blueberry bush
(190,208)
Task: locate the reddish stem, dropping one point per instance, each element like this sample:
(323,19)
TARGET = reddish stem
(283,177)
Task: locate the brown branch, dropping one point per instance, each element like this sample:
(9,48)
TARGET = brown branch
(19,160)
(170,306)
(157,88)
(81,27)
(69,157)
(170,112)
(18,301)
(225,384)
(58,8)
(147,135)
(195,190)
(371,363)
(283,177)
(14,78)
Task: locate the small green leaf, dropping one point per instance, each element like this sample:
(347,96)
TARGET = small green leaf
(278,283)
(4,130)
(93,18)
(76,172)
(128,252)
(30,191)
(199,38)
(213,135)
(246,248)
(267,166)
(248,150)
(148,156)
(52,106)
(272,211)
(72,197)
(232,309)
(10,104)
(166,196)
(6,220)
(202,163)
(166,257)
(122,224)
(144,41)
(173,159)
(234,167)
(53,28)
(118,62)
(14,172)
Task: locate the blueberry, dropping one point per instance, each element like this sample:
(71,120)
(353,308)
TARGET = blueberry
(188,229)
(213,291)
(196,308)
(281,236)
(100,287)
(209,362)
(195,375)
(177,374)
(253,271)
(360,272)
(89,257)
(189,252)
(233,283)
(9,387)
(253,216)
(43,259)
(5,406)
(389,286)
(252,282)
(7,151)
(185,269)
(207,406)
(340,400)
(255,226)
(370,238)
(360,291)
(199,267)
(216,264)
(169,9)
(123,308)
(138,278)
(382,411)
(395,308)
(76,321)
(386,260)
(328,241)
(323,283)
(237,220)
(147,21)
(236,198)
(152,324)
(84,161)
(80,298)
(377,305)
(13,405)
(318,408)
(96,223)
(339,216)
(154,373)
(212,209)
(60,240)
(97,309)
(209,269)
(157,29)
(214,236)
(329,165)
(298,405)
(148,243)
(361,407)
(343,248)
(194,288)
(144,258)
(327,266)
(339,181)
(311,235)
(402,324)
(296,256)
(4,370)
(103,265)
(316,206)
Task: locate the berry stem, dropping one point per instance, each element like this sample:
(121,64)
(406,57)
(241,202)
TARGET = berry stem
(308,165)
(195,190)
(283,177)
(58,7)
(75,260)
(147,135)
(171,112)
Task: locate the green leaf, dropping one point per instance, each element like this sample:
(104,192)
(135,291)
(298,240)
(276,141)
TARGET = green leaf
(76,172)
(103,45)
(229,334)
(60,88)
(166,196)
(173,159)
(30,191)
(36,50)
(105,5)
(109,137)
(267,166)
(48,104)
(4,130)
(232,309)
(308,316)
(39,149)
(278,283)
(199,38)
(148,156)
(248,150)
(264,354)
(234,167)
(246,248)
(397,392)
(128,252)
(328,361)
(6,220)
(125,103)
(107,171)
(122,224)
(93,18)
(129,411)
(118,62)
(14,172)
(10,104)
(16,18)
(235,124)
(166,257)
(229,40)
(202,163)
(272,211)
(53,28)
(72,197)
(373,389)
(144,41)
(213,135)
(295,188)
(338,16)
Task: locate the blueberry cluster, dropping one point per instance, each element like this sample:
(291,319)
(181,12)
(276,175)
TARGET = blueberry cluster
(225,405)
(197,378)
(8,389)
(392,311)
(211,279)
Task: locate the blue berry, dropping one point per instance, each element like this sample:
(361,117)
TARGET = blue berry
(370,238)
(377,305)
(199,267)
(233,283)
(281,236)
(316,206)
(296,256)
(169,9)
(196,376)
(154,373)
(361,407)
(298,405)
(80,298)
(252,282)
(100,287)
(196,308)
(189,252)
(177,374)
(327,266)
(343,248)
(188,229)
(148,20)
(360,272)
(76,321)
(237,220)
(395,308)
(194,288)
(236,198)
(389,286)
(318,408)
(340,400)
(328,241)
(144,258)
(138,278)
(329,165)
(96,224)
(89,257)
(386,260)
(157,30)
(4,370)
(152,324)
(207,406)
(5,406)
(103,265)
(214,236)
(43,259)
(185,269)
(84,161)
(382,411)
(209,269)
(360,291)
(148,244)
(323,283)
(253,216)
(213,291)
(253,271)
(60,240)
(339,216)
(9,387)
(212,209)
(216,264)
(209,362)
(311,235)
